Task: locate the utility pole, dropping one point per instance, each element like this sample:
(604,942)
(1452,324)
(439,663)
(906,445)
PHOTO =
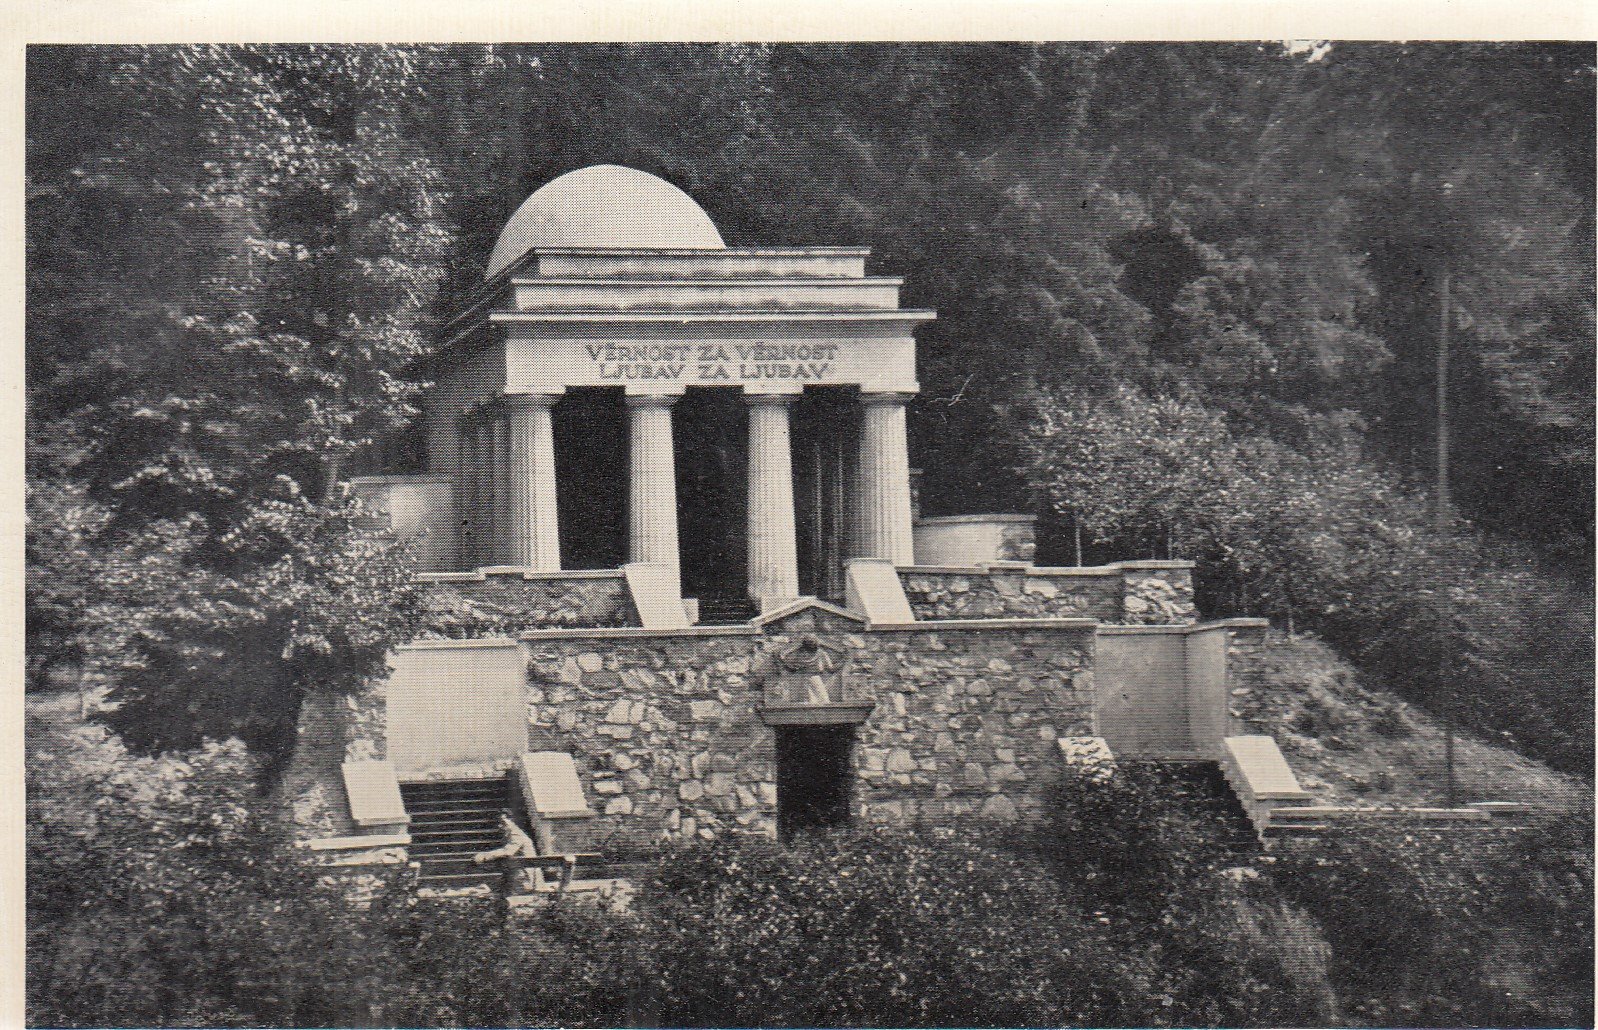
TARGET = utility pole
(1441,522)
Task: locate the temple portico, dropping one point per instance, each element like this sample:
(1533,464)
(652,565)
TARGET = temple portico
(640,296)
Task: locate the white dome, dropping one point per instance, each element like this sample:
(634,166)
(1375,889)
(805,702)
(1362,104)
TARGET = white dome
(605,206)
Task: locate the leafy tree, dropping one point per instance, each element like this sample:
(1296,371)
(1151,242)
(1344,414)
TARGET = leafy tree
(210,402)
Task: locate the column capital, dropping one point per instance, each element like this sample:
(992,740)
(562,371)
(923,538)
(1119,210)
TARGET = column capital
(897,398)
(651,400)
(513,401)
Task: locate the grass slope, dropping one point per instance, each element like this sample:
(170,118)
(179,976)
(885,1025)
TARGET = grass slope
(1353,745)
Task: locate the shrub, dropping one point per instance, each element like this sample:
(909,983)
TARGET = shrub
(881,929)
(1164,867)
(157,894)
(1436,928)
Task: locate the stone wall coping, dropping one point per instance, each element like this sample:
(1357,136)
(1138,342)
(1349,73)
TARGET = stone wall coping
(482,574)
(964,520)
(928,626)
(1232,623)
(450,643)
(1154,563)
(625,632)
(358,843)
(708,280)
(817,251)
(940,625)
(417,477)
(805,604)
(1112,569)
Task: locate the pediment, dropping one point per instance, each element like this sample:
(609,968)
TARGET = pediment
(809,614)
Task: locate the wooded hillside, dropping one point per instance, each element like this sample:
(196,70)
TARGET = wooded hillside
(1190,301)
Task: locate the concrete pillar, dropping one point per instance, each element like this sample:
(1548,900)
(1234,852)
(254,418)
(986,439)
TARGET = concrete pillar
(652,497)
(533,518)
(773,551)
(883,480)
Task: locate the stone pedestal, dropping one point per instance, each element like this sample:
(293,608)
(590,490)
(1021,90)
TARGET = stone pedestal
(652,498)
(534,537)
(883,481)
(773,551)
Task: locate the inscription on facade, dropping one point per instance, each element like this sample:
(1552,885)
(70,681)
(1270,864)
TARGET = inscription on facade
(713,362)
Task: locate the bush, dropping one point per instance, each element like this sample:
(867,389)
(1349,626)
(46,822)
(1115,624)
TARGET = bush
(881,929)
(1436,928)
(1153,858)
(157,894)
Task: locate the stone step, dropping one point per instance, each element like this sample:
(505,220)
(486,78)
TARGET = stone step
(457,822)
(455,809)
(455,796)
(427,834)
(488,878)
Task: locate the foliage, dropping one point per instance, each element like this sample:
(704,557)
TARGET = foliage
(162,892)
(1324,541)
(1150,853)
(874,930)
(158,895)
(316,606)
(62,587)
(205,403)
(1436,928)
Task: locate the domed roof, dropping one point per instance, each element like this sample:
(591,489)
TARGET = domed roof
(605,206)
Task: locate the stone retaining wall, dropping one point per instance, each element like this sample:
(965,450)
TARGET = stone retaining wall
(1137,593)
(489,603)
(332,730)
(668,738)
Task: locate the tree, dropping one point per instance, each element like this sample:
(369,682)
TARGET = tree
(210,401)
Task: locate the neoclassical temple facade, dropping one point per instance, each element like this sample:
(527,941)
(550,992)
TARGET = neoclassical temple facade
(679,585)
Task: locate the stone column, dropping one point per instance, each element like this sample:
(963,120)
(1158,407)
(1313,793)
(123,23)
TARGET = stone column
(504,545)
(773,552)
(469,515)
(652,498)
(883,480)
(533,516)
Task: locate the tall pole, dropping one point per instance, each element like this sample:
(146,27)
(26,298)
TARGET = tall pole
(1441,519)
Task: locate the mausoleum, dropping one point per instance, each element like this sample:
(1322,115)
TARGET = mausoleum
(668,532)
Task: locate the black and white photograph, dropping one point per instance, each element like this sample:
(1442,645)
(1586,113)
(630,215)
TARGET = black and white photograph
(808,534)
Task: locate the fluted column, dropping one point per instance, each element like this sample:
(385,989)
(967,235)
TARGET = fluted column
(773,552)
(470,527)
(533,517)
(499,483)
(652,498)
(883,480)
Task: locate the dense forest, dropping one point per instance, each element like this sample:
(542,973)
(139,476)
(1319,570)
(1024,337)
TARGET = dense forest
(1191,302)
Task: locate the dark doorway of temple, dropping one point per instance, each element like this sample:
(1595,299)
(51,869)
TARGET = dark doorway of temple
(815,774)
(591,478)
(825,433)
(711,436)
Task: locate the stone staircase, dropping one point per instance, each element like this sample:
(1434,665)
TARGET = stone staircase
(1201,789)
(452,820)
